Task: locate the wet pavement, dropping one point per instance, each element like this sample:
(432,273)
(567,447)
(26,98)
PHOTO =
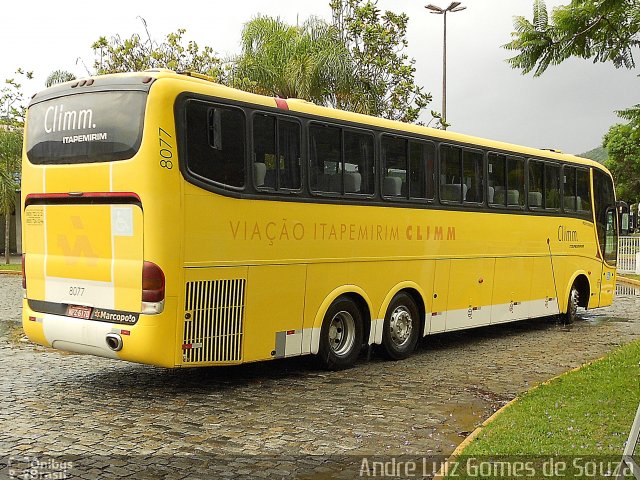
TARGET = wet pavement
(89,417)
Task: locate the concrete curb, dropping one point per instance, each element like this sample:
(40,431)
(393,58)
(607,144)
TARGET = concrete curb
(442,473)
(10,272)
(630,281)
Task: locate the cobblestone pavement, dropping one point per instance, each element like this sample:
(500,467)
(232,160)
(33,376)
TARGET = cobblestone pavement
(279,419)
(10,297)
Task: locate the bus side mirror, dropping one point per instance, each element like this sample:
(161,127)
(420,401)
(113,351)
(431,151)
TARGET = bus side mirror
(624,224)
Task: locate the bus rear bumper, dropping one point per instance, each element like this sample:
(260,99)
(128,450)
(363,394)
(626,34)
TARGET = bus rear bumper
(149,341)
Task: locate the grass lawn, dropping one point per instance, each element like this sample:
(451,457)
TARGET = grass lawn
(12,267)
(588,412)
(632,276)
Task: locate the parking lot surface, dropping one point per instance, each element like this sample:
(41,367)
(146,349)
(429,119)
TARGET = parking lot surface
(89,417)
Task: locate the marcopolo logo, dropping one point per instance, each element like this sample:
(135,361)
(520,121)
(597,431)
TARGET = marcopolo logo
(114,317)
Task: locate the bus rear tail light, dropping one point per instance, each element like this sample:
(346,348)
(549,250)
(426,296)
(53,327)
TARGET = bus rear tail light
(24,275)
(153,288)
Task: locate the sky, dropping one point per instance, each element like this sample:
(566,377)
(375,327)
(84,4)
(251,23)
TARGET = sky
(569,108)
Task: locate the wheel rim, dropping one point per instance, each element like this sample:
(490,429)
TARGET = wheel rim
(342,333)
(400,326)
(575,298)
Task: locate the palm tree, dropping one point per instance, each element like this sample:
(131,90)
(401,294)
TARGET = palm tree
(10,153)
(309,61)
(59,76)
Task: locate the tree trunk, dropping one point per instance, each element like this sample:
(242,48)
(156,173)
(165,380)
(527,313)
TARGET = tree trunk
(7,236)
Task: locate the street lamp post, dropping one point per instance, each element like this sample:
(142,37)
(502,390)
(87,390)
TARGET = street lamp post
(454,7)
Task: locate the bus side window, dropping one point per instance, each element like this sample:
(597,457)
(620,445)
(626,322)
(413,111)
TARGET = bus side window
(421,162)
(289,155)
(551,186)
(497,179)
(394,183)
(276,157)
(583,190)
(264,150)
(408,168)
(536,184)
(515,181)
(326,164)
(452,188)
(215,143)
(569,188)
(472,173)
(359,166)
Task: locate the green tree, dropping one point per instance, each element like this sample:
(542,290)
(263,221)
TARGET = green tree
(139,52)
(12,106)
(59,76)
(12,112)
(602,30)
(10,156)
(357,63)
(308,61)
(385,74)
(623,145)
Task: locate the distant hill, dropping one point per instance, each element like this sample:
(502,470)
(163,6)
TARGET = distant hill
(598,154)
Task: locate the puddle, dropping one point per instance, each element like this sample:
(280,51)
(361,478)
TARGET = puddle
(460,419)
(596,319)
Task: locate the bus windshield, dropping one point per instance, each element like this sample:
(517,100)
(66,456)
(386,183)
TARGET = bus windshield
(86,128)
(606,217)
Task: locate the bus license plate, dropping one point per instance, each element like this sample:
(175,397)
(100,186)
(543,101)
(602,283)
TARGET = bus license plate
(78,311)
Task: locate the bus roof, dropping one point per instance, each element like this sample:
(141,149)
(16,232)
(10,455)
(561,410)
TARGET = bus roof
(208,86)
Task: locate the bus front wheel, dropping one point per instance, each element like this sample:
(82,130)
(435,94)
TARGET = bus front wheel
(401,327)
(572,306)
(341,335)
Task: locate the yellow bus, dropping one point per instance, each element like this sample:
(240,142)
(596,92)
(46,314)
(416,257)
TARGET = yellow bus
(172,221)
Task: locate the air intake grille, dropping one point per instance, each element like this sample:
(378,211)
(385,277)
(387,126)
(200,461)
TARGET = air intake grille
(214,313)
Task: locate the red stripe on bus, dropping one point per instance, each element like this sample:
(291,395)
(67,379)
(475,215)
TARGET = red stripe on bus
(282,103)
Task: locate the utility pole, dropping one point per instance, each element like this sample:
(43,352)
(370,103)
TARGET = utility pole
(454,7)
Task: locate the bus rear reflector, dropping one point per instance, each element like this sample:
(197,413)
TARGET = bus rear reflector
(152,283)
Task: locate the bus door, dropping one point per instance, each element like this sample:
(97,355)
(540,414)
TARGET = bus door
(610,253)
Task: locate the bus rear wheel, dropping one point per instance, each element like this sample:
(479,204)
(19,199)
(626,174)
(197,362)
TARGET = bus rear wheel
(341,335)
(572,306)
(401,327)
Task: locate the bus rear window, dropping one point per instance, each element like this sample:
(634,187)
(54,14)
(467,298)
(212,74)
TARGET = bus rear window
(85,128)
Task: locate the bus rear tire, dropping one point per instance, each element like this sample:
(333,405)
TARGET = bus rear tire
(572,306)
(401,328)
(341,335)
